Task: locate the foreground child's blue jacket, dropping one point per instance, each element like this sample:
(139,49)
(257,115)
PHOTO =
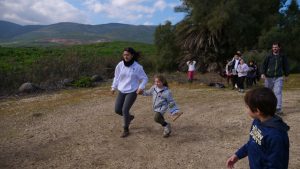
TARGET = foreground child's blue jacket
(268,146)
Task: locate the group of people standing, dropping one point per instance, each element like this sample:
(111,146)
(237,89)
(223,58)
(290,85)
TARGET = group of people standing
(273,70)
(240,72)
(268,145)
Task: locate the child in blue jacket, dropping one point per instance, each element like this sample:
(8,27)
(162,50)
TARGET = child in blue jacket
(268,145)
(162,102)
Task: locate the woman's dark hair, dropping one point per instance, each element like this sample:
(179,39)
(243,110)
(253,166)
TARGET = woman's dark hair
(135,55)
(276,43)
(162,79)
(262,99)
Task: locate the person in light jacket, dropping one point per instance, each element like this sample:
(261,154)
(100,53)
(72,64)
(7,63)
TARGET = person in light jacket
(162,101)
(242,70)
(233,66)
(130,80)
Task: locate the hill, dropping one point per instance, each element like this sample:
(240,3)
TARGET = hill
(12,34)
(10,30)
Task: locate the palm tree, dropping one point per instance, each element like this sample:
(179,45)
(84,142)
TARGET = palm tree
(214,29)
(198,42)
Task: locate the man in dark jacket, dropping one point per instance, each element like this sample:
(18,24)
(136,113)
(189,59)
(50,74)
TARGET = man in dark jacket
(274,67)
(268,145)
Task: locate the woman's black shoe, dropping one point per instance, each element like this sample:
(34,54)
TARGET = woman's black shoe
(125,134)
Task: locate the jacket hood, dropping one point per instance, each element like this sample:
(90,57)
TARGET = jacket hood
(276,122)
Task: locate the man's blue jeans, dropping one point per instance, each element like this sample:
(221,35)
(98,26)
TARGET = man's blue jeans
(276,84)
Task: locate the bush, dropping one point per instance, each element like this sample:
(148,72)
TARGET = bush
(255,55)
(83,82)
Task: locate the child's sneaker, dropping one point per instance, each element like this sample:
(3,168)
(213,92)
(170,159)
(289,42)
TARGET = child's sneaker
(167,130)
(176,116)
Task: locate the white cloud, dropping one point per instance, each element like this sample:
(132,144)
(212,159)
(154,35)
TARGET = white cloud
(127,11)
(94,6)
(160,4)
(123,3)
(44,12)
(39,12)
(148,23)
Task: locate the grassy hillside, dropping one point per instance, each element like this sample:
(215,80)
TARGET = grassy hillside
(51,64)
(10,30)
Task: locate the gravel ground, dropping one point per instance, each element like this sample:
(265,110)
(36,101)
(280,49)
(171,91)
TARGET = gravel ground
(78,129)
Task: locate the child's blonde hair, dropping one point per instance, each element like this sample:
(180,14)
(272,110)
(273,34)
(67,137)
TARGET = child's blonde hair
(162,79)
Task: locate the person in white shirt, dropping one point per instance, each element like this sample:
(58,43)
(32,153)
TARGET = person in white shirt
(191,70)
(242,70)
(130,80)
(234,64)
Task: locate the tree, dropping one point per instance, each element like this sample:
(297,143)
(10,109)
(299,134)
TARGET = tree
(291,34)
(214,29)
(199,36)
(287,32)
(167,51)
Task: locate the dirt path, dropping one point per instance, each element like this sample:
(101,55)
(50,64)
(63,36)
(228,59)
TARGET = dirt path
(78,129)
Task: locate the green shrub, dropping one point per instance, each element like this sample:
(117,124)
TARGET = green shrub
(83,82)
(49,65)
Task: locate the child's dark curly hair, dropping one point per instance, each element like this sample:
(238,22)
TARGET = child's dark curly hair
(262,99)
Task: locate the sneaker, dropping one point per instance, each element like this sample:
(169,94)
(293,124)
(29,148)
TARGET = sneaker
(176,115)
(125,133)
(167,130)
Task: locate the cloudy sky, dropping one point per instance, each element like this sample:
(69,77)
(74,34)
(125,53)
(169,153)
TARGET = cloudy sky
(43,12)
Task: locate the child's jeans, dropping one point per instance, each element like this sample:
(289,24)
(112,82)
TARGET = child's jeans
(159,118)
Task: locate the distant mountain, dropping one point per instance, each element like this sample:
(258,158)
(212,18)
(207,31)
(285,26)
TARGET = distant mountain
(73,33)
(9,30)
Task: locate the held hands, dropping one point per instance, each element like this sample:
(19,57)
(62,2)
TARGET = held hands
(112,91)
(263,76)
(140,91)
(231,161)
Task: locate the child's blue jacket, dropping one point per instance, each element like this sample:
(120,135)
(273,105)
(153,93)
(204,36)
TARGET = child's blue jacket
(268,145)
